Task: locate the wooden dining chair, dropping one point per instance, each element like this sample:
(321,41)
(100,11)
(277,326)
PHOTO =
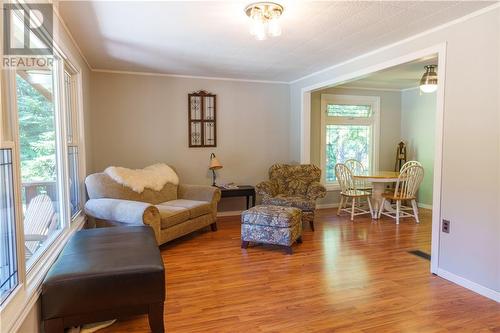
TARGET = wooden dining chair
(409,180)
(405,203)
(410,163)
(348,190)
(357,168)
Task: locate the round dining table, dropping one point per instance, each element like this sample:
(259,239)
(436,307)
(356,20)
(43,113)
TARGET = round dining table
(379,179)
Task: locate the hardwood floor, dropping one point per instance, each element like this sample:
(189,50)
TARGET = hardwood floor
(344,277)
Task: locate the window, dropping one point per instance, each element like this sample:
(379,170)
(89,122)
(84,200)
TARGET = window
(349,130)
(39,156)
(41,175)
(41,169)
(70,95)
(8,258)
(74,183)
(352,111)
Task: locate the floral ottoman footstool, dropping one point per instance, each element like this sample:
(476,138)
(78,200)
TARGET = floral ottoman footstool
(270,224)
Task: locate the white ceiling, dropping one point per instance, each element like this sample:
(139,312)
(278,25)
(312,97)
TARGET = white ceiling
(404,76)
(212,38)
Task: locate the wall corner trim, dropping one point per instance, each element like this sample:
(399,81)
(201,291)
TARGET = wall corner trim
(70,35)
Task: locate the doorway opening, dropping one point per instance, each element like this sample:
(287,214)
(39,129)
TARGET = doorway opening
(385,109)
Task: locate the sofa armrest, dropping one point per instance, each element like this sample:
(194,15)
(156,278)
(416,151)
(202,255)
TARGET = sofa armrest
(316,191)
(266,188)
(125,211)
(199,192)
(209,194)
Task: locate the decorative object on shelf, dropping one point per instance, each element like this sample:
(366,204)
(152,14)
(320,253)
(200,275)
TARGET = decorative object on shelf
(264,16)
(400,156)
(214,165)
(228,186)
(202,119)
(429,81)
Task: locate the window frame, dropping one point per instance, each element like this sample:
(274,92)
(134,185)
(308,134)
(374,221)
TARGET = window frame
(60,133)
(373,121)
(21,300)
(76,134)
(13,216)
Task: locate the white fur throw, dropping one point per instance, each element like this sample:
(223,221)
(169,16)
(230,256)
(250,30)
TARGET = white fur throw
(153,177)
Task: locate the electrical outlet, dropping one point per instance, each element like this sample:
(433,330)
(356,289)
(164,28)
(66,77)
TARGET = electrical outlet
(445,226)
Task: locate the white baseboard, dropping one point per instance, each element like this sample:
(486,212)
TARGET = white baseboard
(318,206)
(336,205)
(326,206)
(426,206)
(229,213)
(238,212)
(475,287)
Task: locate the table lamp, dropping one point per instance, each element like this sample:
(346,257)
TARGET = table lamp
(214,165)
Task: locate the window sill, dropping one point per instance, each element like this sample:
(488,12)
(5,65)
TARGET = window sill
(17,306)
(40,253)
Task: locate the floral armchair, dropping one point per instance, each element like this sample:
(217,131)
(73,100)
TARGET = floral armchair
(294,186)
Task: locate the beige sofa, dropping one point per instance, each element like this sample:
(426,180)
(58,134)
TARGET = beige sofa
(174,211)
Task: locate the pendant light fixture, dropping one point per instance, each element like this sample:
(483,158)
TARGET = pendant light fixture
(264,16)
(429,81)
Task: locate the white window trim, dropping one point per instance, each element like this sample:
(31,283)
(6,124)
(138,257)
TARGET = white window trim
(15,308)
(374,101)
(77,135)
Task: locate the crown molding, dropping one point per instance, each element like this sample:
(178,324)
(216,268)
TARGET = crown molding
(373,89)
(97,70)
(367,88)
(409,89)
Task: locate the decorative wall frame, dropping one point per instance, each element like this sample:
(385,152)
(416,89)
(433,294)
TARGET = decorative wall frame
(202,119)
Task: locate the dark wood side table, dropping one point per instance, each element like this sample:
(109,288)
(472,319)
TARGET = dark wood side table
(242,191)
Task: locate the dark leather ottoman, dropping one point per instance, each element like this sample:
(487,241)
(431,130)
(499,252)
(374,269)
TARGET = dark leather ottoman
(105,274)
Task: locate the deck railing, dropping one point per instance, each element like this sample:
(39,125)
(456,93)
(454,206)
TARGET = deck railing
(32,189)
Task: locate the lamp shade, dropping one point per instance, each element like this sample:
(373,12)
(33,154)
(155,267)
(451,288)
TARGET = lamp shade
(214,163)
(429,81)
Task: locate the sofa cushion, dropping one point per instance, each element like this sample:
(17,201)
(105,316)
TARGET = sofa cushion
(290,201)
(196,208)
(272,216)
(171,215)
(100,185)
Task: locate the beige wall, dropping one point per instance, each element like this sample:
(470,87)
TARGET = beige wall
(418,115)
(471,120)
(138,120)
(390,128)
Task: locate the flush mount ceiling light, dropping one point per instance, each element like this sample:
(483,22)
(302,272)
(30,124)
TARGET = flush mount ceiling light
(264,16)
(429,81)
